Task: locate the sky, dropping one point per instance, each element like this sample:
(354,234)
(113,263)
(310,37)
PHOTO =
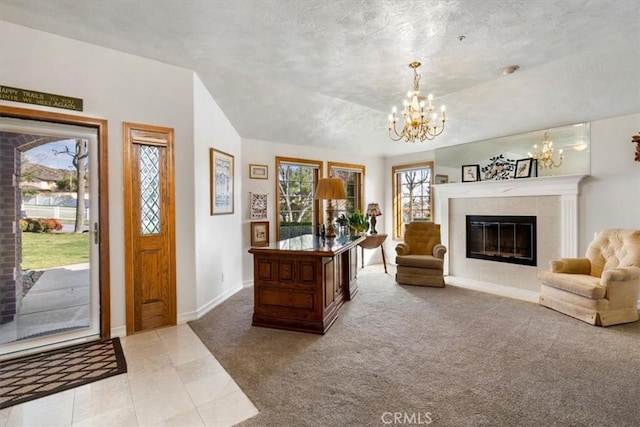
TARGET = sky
(45,154)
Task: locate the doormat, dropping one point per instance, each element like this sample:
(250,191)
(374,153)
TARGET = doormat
(35,376)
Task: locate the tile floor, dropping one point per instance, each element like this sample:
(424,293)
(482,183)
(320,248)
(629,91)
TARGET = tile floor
(171,380)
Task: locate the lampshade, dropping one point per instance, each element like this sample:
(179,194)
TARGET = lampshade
(373,209)
(330,188)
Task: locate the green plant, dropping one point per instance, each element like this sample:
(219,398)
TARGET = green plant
(358,221)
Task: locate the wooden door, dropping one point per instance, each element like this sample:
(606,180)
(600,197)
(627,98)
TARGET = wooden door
(149,227)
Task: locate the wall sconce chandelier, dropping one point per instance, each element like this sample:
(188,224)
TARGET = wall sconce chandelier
(545,157)
(420,121)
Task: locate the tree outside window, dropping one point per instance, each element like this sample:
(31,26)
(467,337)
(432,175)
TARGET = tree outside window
(413,200)
(297,211)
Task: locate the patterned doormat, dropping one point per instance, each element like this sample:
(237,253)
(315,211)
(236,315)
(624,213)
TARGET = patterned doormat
(39,375)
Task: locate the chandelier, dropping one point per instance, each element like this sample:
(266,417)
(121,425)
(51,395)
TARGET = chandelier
(420,121)
(545,157)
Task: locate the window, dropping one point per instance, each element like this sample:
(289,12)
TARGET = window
(412,199)
(297,211)
(353,176)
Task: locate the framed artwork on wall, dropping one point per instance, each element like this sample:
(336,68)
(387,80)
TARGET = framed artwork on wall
(260,233)
(221,185)
(258,206)
(258,171)
(470,173)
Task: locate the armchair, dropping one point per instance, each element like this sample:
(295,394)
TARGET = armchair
(420,257)
(602,288)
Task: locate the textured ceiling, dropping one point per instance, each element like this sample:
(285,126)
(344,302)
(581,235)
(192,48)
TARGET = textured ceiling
(326,73)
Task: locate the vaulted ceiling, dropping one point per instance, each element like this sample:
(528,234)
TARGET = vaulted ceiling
(326,73)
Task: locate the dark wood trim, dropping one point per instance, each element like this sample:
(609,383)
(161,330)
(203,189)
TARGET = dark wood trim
(103,171)
(127,140)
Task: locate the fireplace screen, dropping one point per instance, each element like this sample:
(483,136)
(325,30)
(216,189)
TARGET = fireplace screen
(509,239)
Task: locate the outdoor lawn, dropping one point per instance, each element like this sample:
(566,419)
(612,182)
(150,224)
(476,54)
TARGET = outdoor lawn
(47,250)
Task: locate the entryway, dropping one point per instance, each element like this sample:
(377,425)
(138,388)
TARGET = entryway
(53,249)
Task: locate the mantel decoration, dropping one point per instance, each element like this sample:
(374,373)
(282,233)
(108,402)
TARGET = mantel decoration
(470,173)
(420,121)
(373,211)
(330,189)
(636,140)
(526,168)
(545,157)
(498,168)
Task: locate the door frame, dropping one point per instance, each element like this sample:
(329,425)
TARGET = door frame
(103,175)
(127,142)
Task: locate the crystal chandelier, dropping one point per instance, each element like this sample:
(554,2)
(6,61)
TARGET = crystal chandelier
(420,121)
(545,157)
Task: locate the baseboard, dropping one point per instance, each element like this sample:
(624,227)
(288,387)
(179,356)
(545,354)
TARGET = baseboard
(119,331)
(216,301)
(493,288)
(247,284)
(186,317)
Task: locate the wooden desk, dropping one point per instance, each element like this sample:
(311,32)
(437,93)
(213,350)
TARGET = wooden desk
(372,241)
(300,283)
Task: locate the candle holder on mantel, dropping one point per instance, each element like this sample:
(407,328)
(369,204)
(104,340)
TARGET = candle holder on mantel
(373,211)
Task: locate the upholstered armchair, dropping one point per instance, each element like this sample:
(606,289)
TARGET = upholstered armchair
(602,288)
(420,257)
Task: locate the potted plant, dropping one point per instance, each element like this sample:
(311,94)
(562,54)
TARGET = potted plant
(357,222)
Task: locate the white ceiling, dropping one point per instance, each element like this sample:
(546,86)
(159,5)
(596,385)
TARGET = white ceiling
(326,73)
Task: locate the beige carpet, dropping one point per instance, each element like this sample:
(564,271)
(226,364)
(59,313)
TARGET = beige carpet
(451,356)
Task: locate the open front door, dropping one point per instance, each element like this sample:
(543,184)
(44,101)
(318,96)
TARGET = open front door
(149,227)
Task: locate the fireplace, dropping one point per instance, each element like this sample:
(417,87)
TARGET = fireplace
(510,239)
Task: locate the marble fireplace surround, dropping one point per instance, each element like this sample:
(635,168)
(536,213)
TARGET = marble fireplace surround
(553,200)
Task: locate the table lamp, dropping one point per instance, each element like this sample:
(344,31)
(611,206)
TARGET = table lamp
(330,189)
(373,210)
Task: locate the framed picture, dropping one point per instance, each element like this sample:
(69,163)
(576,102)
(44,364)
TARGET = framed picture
(470,173)
(258,206)
(221,177)
(260,233)
(524,168)
(442,179)
(258,171)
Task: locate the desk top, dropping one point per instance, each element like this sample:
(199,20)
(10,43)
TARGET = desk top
(310,245)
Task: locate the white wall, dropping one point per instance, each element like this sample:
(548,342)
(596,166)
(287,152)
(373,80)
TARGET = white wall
(264,153)
(120,88)
(611,195)
(218,247)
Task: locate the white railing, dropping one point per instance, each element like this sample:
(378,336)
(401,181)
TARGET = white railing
(57,212)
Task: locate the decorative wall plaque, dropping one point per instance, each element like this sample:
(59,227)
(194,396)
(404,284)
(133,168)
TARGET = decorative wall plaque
(8,93)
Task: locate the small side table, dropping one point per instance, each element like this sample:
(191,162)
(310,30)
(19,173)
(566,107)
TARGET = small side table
(372,241)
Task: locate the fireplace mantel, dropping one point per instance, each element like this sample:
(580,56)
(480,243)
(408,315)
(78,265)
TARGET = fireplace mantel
(567,187)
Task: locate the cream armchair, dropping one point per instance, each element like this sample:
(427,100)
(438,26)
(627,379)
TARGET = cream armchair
(602,288)
(420,257)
